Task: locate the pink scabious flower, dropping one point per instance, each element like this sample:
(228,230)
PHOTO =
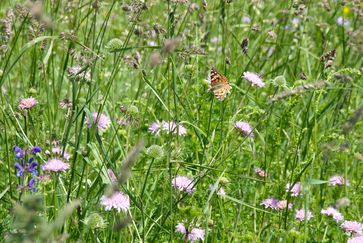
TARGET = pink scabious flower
(337,180)
(117,200)
(301,215)
(254,79)
(330,211)
(356,239)
(55,165)
(155,127)
(183,183)
(27,103)
(101,120)
(270,203)
(244,128)
(295,190)
(192,235)
(58,151)
(283,205)
(260,172)
(173,127)
(352,227)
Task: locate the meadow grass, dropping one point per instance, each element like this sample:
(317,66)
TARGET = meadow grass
(136,148)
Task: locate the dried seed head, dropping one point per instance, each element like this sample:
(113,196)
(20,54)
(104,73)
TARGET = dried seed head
(244,45)
(302,76)
(228,61)
(171,44)
(155,59)
(159,29)
(193,7)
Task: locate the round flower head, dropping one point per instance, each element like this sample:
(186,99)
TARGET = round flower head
(244,128)
(330,211)
(246,19)
(254,79)
(101,120)
(352,227)
(118,201)
(173,127)
(180,228)
(270,203)
(342,22)
(260,172)
(301,215)
(295,190)
(27,103)
(183,183)
(356,239)
(337,180)
(283,204)
(155,127)
(55,165)
(196,234)
(58,152)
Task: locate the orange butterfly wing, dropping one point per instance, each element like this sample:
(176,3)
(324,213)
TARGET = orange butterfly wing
(219,85)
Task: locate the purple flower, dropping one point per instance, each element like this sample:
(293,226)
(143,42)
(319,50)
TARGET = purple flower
(100,120)
(301,215)
(260,172)
(55,165)
(246,19)
(18,152)
(173,127)
(352,227)
(118,201)
(31,185)
(270,203)
(254,79)
(27,103)
(192,235)
(155,127)
(244,128)
(183,183)
(356,239)
(283,205)
(36,149)
(30,167)
(342,22)
(295,190)
(337,180)
(58,151)
(330,211)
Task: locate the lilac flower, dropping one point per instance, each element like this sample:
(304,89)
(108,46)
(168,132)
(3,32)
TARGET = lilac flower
(295,190)
(100,120)
(337,180)
(254,79)
(221,192)
(183,183)
(30,167)
(246,19)
(18,152)
(356,239)
(55,165)
(270,203)
(244,128)
(58,152)
(191,235)
(118,201)
(301,215)
(342,22)
(330,211)
(352,227)
(155,127)
(283,205)
(173,127)
(27,103)
(31,185)
(260,172)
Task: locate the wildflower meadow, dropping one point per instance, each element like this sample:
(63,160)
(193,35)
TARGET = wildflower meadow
(181,121)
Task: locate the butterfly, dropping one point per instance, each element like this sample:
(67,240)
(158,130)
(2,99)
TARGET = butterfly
(219,85)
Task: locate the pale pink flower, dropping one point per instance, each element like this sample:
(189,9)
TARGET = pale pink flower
(101,120)
(254,79)
(352,227)
(196,234)
(27,103)
(180,228)
(244,128)
(283,204)
(58,151)
(260,172)
(118,201)
(55,165)
(356,239)
(330,211)
(337,180)
(269,203)
(155,127)
(301,215)
(221,192)
(173,127)
(183,183)
(295,190)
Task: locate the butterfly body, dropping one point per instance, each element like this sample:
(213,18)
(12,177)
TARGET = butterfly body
(219,85)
